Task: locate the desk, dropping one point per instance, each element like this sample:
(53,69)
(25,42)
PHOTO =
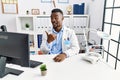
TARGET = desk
(73,68)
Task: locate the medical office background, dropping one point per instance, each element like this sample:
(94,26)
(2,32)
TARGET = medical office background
(103,15)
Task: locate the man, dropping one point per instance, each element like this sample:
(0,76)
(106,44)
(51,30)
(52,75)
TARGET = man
(62,41)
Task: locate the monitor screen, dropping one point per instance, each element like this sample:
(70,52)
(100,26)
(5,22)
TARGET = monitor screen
(14,48)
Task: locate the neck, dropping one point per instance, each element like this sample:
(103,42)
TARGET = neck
(58,29)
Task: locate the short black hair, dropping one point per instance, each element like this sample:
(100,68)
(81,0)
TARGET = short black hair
(57,10)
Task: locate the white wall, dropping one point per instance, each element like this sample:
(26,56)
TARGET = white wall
(96,17)
(93,7)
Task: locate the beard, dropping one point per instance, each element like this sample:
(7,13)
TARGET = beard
(55,26)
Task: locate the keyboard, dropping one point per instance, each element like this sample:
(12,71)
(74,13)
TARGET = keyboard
(34,64)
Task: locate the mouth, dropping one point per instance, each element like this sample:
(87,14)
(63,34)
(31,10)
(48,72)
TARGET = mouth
(55,24)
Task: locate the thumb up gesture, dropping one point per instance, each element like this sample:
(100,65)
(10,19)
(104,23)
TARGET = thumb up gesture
(50,37)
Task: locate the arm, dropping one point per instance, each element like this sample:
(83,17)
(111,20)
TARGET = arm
(46,42)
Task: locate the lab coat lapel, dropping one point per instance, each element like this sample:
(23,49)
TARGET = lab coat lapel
(63,38)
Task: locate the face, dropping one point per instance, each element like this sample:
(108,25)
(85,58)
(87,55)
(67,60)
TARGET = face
(56,20)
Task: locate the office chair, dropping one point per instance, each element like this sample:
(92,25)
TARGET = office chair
(3,28)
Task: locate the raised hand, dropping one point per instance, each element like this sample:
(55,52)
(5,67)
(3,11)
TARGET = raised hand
(50,37)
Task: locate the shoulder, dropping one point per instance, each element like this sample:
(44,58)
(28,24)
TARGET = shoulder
(69,30)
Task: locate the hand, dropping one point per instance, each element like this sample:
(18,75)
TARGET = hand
(50,37)
(60,57)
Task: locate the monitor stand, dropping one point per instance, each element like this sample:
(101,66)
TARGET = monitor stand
(4,70)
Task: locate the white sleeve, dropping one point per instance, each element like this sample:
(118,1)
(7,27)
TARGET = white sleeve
(74,47)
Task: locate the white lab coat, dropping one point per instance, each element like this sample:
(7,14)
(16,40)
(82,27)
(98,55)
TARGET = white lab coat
(69,50)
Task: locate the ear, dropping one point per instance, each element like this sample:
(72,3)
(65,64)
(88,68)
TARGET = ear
(63,18)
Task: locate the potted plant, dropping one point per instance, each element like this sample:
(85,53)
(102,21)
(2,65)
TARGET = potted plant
(27,26)
(43,69)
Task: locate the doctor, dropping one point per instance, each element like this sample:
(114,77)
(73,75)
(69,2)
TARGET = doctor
(61,41)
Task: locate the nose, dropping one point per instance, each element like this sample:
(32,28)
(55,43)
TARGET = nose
(53,20)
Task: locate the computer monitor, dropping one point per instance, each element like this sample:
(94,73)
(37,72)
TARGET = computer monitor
(14,48)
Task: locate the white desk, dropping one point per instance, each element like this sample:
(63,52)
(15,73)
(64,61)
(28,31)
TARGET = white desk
(73,68)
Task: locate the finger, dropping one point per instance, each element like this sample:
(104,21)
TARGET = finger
(57,59)
(54,59)
(47,33)
(55,36)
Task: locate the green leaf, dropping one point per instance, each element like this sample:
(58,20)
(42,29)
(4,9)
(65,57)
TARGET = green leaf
(43,67)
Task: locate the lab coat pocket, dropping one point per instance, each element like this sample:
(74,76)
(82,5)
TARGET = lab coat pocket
(67,43)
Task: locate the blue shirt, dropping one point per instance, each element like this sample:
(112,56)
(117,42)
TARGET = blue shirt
(55,47)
